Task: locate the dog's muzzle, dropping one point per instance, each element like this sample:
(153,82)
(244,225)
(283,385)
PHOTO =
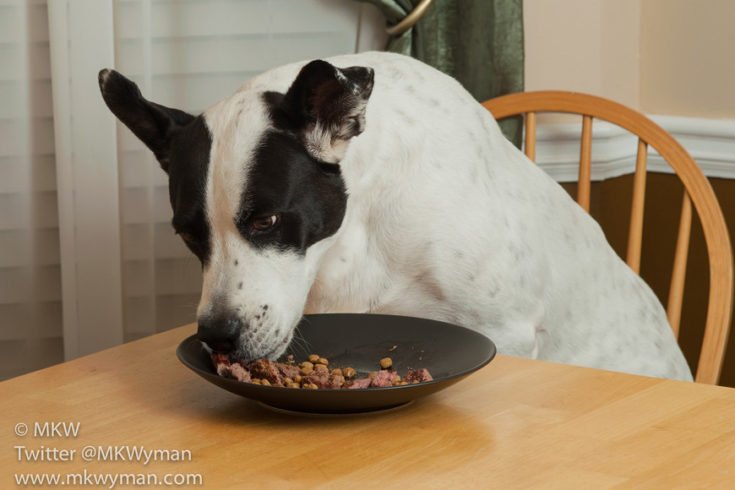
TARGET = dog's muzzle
(220,332)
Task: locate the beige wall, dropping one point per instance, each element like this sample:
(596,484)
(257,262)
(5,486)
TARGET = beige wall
(660,56)
(584,45)
(688,57)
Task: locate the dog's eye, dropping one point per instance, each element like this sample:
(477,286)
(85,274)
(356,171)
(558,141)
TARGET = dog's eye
(264,223)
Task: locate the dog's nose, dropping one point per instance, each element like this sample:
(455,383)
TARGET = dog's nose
(219,332)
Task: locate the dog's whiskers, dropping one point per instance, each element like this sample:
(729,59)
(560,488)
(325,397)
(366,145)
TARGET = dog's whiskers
(300,342)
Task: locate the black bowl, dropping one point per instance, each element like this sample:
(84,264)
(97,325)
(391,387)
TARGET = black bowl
(448,351)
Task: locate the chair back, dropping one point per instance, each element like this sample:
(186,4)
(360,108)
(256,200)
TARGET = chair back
(697,191)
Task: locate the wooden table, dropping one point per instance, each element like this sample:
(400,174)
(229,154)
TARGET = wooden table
(515,424)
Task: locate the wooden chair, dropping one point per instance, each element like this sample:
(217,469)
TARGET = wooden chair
(697,190)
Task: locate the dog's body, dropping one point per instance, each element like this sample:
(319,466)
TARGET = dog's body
(440,217)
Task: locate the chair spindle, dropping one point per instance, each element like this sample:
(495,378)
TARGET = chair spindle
(678,276)
(635,233)
(530,143)
(585,164)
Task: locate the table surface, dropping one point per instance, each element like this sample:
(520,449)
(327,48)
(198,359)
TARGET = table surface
(516,423)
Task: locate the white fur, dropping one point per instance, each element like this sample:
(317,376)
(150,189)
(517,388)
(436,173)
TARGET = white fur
(446,220)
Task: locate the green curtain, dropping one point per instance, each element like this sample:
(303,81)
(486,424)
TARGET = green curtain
(478,42)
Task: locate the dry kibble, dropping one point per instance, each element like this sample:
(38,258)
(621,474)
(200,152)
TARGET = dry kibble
(306,370)
(288,380)
(310,386)
(255,381)
(336,372)
(348,372)
(404,383)
(297,379)
(321,368)
(265,382)
(293,385)
(323,360)
(307,364)
(313,358)
(386,362)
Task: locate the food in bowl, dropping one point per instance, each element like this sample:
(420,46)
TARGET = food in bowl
(314,373)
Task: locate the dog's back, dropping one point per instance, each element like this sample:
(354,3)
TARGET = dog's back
(446,219)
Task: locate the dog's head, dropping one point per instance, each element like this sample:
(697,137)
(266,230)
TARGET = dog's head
(256,191)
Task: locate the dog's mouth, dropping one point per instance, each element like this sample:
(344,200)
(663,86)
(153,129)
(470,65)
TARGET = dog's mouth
(251,353)
(266,342)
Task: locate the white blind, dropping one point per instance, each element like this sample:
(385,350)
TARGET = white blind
(30,285)
(189,54)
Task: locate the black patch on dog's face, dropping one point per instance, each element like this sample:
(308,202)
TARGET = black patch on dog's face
(188,166)
(288,179)
(308,195)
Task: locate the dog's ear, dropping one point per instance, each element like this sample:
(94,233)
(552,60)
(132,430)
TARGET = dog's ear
(153,124)
(327,105)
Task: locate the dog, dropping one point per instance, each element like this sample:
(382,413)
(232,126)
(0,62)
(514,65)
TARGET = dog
(374,183)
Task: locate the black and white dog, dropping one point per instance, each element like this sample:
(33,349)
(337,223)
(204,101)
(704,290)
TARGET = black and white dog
(383,186)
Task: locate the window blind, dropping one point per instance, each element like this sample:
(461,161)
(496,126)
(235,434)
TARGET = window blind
(30,287)
(87,254)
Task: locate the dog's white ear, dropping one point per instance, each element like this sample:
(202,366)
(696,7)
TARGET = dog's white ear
(327,105)
(153,124)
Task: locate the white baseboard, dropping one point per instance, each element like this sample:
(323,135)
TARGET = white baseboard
(711,142)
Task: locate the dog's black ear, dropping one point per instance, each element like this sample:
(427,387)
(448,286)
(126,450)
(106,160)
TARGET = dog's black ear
(153,124)
(327,105)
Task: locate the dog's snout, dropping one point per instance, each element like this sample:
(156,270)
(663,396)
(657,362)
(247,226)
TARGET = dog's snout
(219,332)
